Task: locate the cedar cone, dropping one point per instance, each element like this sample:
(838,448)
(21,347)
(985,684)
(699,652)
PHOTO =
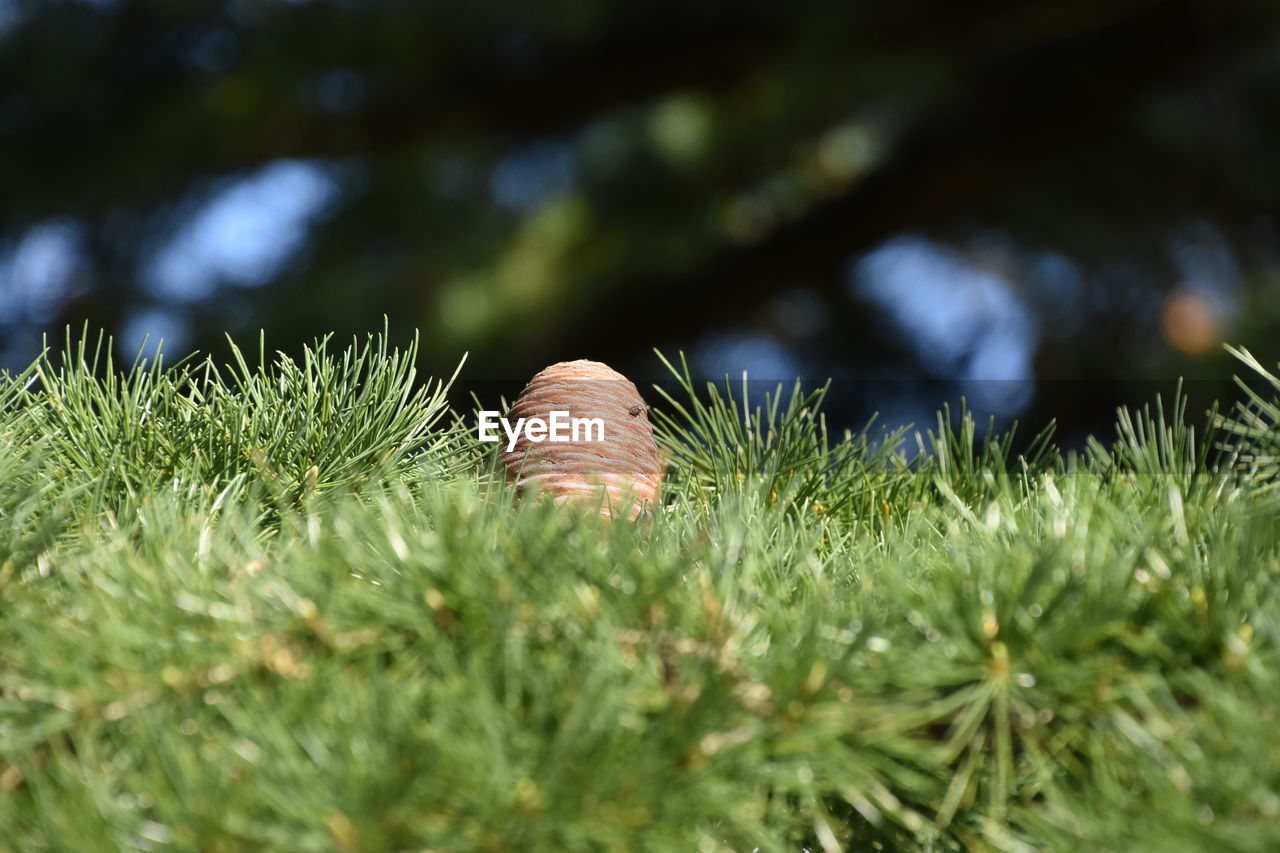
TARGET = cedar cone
(625,463)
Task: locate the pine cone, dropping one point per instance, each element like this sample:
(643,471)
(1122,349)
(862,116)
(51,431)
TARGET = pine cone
(624,462)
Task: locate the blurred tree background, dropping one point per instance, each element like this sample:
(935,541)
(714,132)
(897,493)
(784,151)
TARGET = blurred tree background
(1048,207)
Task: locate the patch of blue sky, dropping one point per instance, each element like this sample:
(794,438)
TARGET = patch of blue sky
(38,273)
(533,173)
(1059,287)
(733,354)
(1205,260)
(966,323)
(150,331)
(765,362)
(244,234)
(10,15)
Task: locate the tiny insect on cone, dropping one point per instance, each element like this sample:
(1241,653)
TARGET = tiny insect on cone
(607,456)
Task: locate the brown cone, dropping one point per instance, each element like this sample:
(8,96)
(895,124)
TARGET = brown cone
(624,464)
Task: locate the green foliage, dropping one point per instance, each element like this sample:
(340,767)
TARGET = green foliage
(1257,422)
(816,643)
(291,428)
(719,445)
(1155,444)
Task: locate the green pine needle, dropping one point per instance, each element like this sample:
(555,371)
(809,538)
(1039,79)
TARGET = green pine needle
(270,604)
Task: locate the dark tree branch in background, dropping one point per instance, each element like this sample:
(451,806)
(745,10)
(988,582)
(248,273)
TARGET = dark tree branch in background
(147,120)
(113,152)
(1053,108)
(1091,128)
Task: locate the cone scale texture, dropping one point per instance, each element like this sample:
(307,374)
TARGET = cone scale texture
(623,464)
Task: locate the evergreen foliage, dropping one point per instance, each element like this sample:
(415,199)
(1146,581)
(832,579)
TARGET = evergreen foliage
(272,606)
